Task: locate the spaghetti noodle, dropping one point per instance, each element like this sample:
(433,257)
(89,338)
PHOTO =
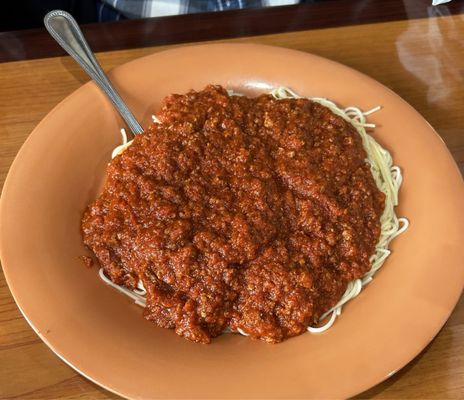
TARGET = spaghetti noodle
(388,179)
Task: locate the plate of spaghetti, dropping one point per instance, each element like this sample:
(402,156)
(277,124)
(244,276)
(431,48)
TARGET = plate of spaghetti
(278,224)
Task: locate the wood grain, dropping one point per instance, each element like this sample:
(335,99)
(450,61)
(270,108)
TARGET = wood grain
(422,60)
(37,43)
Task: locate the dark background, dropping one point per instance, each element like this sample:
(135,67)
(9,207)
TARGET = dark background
(26,14)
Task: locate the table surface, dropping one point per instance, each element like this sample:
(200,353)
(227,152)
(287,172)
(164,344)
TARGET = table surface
(420,59)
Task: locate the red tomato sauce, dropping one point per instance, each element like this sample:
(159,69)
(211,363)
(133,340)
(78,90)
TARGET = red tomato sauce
(236,212)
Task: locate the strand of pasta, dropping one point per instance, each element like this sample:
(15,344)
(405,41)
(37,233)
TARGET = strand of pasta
(125,142)
(137,297)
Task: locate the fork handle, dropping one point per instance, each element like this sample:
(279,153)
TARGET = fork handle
(65,30)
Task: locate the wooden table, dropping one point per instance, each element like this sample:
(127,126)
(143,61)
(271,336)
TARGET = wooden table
(420,59)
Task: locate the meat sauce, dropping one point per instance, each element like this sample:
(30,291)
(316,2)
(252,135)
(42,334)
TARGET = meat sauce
(240,213)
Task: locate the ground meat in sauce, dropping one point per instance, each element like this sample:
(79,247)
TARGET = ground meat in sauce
(88,262)
(240,213)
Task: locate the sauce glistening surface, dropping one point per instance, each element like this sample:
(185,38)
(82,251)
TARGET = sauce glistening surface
(240,213)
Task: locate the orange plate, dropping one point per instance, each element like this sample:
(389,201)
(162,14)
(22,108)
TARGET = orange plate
(102,334)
